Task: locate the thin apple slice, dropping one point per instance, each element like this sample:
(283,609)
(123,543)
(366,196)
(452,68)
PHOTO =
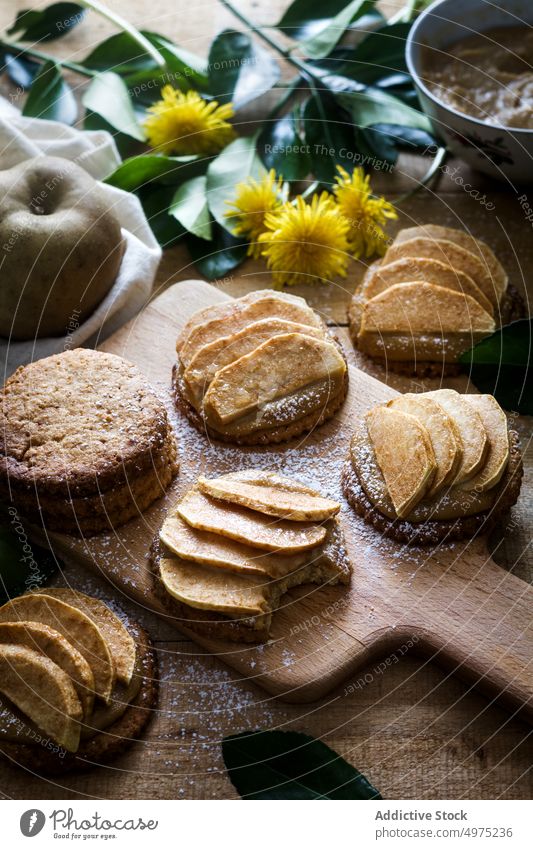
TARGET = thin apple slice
(74,625)
(52,644)
(424,308)
(43,692)
(227,349)
(214,589)
(217,551)
(272,500)
(495,424)
(380,277)
(119,640)
(262,477)
(238,523)
(443,433)
(275,369)
(471,430)
(226,308)
(449,253)
(272,305)
(404,454)
(464,240)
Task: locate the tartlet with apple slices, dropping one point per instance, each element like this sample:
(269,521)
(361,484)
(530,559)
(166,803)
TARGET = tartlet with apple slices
(78,683)
(259,369)
(435,294)
(86,442)
(433,467)
(234,545)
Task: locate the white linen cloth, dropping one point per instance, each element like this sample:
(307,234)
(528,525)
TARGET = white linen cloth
(24,138)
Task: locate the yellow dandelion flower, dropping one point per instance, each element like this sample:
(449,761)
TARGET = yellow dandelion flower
(366,214)
(306,240)
(253,201)
(183,123)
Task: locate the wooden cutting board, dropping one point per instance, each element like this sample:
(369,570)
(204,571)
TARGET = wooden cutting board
(452,603)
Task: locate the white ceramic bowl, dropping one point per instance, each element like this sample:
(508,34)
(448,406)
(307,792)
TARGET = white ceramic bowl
(506,154)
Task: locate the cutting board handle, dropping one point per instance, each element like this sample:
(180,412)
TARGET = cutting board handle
(484,630)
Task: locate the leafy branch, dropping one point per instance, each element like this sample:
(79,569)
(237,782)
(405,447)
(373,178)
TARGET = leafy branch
(344,106)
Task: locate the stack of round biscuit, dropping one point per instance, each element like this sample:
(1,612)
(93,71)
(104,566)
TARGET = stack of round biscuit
(87,444)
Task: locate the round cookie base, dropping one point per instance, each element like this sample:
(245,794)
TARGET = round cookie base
(512,309)
(269,436)
(107,744)
(434,532)
(207,623)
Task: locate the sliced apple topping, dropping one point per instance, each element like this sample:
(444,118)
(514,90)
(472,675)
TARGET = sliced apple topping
(228,349)
(228,307)
(74,625)
(443,433)
(47,641)
(271,305)
(275,369)
(214,589)
(418,308)
(295,506)
(471,429)
(119,640)
(464,240)
(404,454)
(495,424)
(415,268)
(433,455)
(211,549)
(449,253)
(43,692)
(243,525)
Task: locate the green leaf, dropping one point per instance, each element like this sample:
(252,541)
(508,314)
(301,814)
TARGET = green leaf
(23,565)
(107,95)
(323,42)
(47,24)
(237,162)
(50,97)
(156,202)
(501,365)
(374,106)
(281,147)
(189,207)
(126,145)
(120,53)
(219,257)
(139,171)
(329,134)
(290,765)
(305,18)
(184,69)
(20,69)
(385,141)
(239,69)
(379,55)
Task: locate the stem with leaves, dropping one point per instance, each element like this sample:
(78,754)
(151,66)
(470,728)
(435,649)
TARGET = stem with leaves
(18,50)
(306,72)
(124,25)
(305,69)
(75,67)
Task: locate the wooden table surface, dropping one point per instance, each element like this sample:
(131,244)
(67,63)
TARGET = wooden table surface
(416,731)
